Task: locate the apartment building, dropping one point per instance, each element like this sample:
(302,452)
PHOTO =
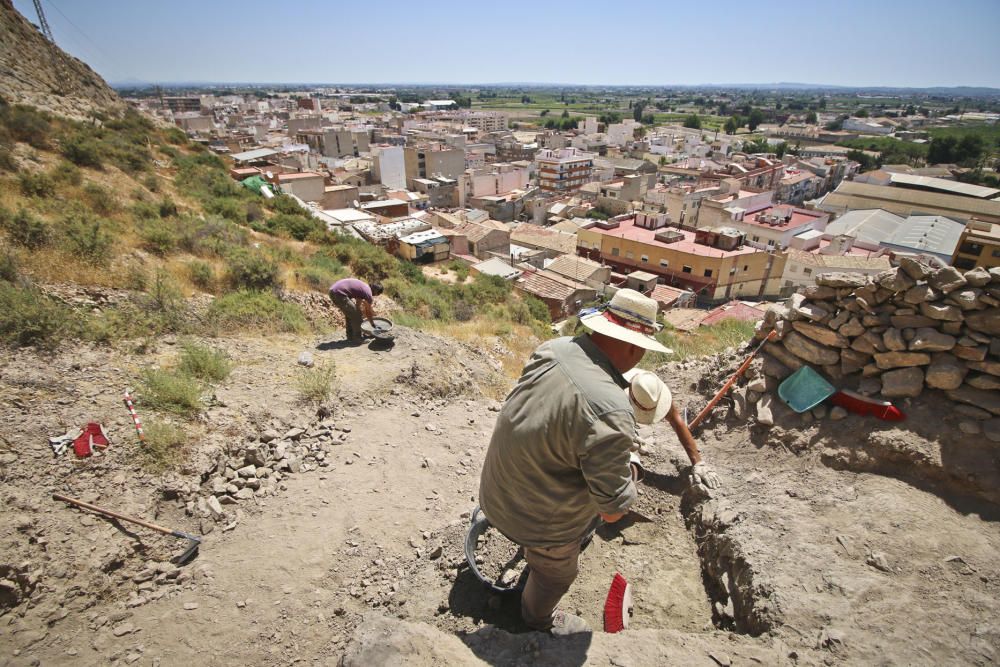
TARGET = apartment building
(389,167)
(563,169)
(979,245)
(497,179)
(716,265)
(433,160)
(182,104)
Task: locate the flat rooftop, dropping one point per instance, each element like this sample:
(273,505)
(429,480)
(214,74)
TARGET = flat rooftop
(627,229)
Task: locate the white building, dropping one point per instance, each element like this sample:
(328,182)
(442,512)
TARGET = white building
(390,166)
(620,134)
(865,126)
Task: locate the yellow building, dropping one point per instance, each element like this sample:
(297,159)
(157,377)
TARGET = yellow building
(696,261)
(979,245)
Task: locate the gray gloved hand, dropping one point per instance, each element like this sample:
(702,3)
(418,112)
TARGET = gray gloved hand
(703,474)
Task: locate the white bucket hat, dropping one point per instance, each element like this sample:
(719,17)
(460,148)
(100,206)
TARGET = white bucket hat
(629,317)
(649,396)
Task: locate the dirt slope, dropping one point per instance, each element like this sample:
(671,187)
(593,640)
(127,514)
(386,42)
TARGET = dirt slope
(36,72)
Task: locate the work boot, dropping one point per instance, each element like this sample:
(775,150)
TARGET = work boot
(564,624)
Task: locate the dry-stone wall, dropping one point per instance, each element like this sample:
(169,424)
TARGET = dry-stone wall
(895,334)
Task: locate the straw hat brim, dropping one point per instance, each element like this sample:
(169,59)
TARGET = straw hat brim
(657,414)
(597,322)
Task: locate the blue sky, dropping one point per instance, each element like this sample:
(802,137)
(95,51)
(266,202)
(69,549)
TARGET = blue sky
(843,42)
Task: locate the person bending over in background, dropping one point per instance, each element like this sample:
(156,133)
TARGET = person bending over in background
(354,299)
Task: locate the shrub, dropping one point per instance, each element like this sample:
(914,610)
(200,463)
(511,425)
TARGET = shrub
(26,230)
(164,446)
(100,199)
(201,274)
(204,363)
(176,136)
(158,237)
(26,124)
(321,271)
(82,150)
(151,183)
(68,173)
(8,266)
(87,238)
(7,161)
(170,391)
(296,226)
(252,271)
(260,311)
(32,318)
(145,210)
(316,384)
(168,207)
(36,184)
(229,208)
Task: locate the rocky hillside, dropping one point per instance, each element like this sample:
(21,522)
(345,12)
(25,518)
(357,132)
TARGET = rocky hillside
(36,72)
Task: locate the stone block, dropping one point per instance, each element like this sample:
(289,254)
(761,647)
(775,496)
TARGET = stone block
(903,382)
(886,360)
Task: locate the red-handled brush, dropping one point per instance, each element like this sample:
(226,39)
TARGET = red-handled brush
(618,606)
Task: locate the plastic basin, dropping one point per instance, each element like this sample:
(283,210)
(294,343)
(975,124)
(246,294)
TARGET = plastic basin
(805,389)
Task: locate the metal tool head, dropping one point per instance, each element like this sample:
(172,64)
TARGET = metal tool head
(192,550)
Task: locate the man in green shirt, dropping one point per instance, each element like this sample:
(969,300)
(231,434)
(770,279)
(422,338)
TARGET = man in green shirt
(558,461)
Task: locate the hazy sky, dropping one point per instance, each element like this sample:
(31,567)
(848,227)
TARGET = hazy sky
(842,42)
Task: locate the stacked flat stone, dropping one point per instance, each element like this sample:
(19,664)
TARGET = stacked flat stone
(895,334)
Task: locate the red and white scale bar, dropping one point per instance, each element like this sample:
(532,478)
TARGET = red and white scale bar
(135,417)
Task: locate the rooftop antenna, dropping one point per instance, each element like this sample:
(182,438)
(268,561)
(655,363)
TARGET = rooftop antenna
(46,30)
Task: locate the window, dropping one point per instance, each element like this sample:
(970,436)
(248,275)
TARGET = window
(686,269)
(996,253)
(732,271)
(644,258)
(708,273)
(664,263)
(614,252)
(792,269)
(807,271)
(629,254)
(746,267)
(970,248)
(756,238)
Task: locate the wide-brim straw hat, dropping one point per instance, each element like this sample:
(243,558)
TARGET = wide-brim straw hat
(629,317)
(649,396)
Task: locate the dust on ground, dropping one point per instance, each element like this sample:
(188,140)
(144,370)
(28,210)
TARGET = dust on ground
(350,548)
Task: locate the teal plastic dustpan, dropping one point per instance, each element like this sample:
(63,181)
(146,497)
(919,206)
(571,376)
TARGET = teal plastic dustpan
(805,389)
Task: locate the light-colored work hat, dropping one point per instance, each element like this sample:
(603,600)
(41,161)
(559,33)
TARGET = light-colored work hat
(629,317)
(649,396)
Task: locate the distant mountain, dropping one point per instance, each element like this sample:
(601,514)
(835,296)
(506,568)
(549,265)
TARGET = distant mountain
(36,72)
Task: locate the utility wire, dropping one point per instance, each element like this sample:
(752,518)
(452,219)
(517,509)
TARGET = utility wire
(104,55)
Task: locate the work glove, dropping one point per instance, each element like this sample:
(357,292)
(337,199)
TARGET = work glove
(703,475)
(635,465)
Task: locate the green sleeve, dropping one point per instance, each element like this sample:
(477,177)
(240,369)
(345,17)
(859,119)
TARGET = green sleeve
(604,457)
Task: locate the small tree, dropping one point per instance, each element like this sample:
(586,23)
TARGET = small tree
(811,118)
(755,119)
(731,126)
(693,122)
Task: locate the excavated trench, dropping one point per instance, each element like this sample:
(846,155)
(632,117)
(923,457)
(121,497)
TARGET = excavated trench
(686,571)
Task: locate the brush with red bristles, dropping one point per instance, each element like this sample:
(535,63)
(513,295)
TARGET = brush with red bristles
(618,606)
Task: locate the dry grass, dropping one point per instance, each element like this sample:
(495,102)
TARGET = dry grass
(315,385)
(165,445)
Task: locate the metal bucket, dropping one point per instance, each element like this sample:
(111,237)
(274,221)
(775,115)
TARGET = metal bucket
(478,526)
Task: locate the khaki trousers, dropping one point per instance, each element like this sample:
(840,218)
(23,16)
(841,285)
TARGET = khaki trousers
(352,316)
(553,570)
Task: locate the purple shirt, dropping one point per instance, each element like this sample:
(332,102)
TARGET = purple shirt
(352,288)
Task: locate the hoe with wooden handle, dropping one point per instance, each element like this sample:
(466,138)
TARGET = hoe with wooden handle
(729,383)
(193,542)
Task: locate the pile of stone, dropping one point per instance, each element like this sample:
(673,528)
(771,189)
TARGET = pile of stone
(257,468)
(893,335)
